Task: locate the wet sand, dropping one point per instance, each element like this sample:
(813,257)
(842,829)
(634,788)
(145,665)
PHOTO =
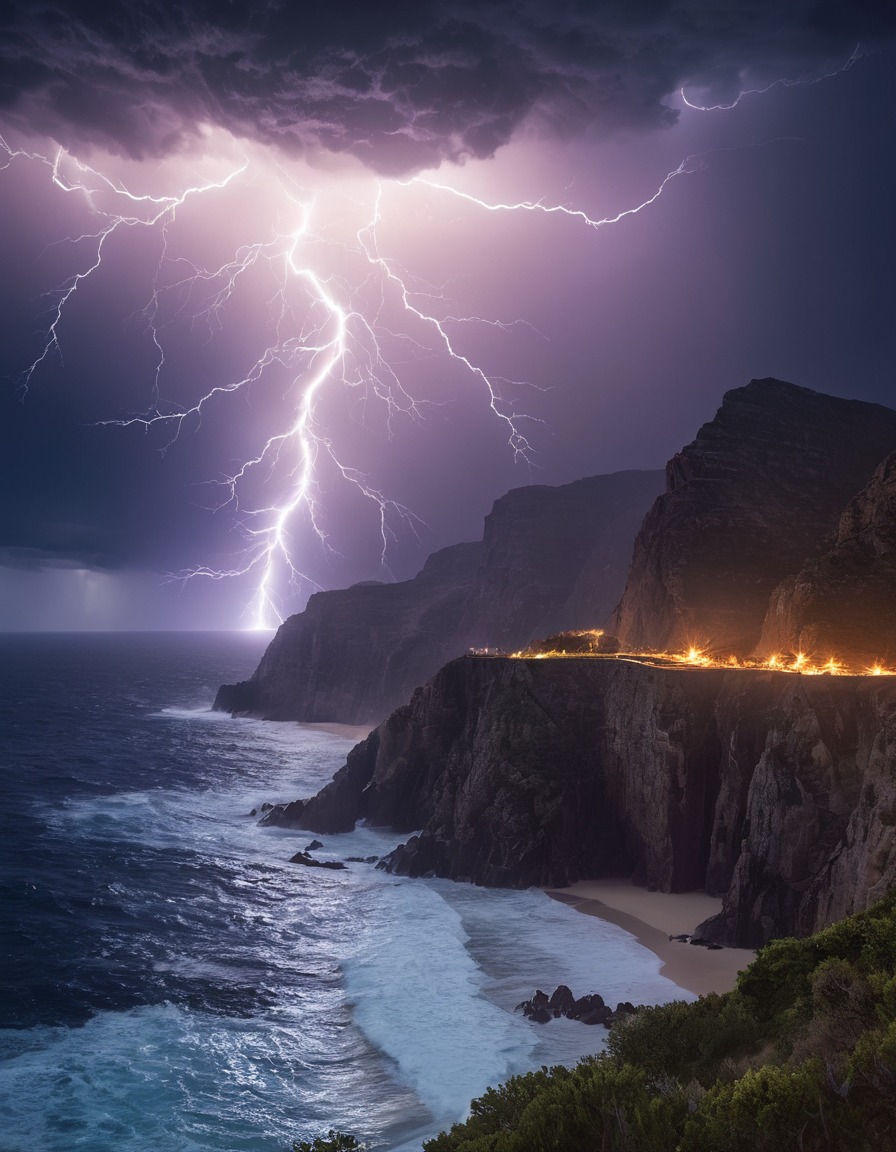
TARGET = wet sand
(356,732)
(652,917)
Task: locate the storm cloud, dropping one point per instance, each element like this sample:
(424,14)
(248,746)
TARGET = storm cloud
(772,257)
(402,86)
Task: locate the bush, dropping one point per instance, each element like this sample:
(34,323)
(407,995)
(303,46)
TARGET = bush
(687,1041)
(800,1056)
(769,1109)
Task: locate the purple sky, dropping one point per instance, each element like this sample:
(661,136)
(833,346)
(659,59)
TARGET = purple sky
(771,255)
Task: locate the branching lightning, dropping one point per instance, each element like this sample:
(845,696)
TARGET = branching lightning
(161,212)
(687,167)
(782,82)
(337,339)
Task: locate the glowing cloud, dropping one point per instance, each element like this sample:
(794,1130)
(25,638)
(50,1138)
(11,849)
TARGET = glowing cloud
(338,305)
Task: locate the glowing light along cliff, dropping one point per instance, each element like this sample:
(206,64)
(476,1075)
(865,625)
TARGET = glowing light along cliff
(802,663)
(771,789)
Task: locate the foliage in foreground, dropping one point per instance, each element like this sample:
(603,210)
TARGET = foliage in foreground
(800,1056)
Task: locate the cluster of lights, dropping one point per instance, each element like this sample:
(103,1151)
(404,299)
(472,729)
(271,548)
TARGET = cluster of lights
(329,332)
(798,662)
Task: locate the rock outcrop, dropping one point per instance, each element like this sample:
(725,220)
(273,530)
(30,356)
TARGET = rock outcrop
(844,603)
(556,558)
(551,558)
(355,652)
(588,1009)
(757,494)
(775,791)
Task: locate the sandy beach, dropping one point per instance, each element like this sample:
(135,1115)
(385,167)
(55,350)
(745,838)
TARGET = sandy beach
(356,732)
(652,917)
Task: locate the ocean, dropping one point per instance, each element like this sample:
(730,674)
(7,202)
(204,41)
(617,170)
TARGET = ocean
(171,983)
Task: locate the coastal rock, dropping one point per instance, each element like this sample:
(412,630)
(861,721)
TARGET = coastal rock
(550,558)
(341,803)
(772,790)
(537,1009)
(590,1009)
(819,833)
(561,1000)
(844,603)
(284,815)
(310,862)
(542,772)
(356,652)
(757,494)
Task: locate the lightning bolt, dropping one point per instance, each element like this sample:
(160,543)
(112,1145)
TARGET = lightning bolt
(783,82)
(687,167)
(335,344)
(331,330)
(162,212)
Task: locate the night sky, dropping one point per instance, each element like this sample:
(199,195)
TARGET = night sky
(319,140)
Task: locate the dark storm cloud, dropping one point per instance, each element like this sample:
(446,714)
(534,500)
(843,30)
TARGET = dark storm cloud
(402,85)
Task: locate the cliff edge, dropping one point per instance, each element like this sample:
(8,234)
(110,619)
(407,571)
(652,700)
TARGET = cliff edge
(772,790)
(757,494)
(550,558)
(844,602)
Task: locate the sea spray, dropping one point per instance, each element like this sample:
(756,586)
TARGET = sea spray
(174,982)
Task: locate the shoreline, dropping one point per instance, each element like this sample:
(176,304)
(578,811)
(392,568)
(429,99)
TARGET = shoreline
(652,917)
(356,732)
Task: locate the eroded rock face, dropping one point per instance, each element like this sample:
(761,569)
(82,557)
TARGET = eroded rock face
(354,655)
(355,652)
(844,603)
(557,558)
(758,493)
(775,791)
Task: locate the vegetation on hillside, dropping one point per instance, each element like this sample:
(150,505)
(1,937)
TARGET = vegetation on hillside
(801,1057)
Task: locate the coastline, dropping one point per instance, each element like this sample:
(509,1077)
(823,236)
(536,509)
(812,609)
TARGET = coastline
(356,732)
(652,917)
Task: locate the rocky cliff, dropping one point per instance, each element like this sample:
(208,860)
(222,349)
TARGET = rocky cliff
(355,652)
(844,603)
(773,790)
(757,494)
(550,558)
(556,558)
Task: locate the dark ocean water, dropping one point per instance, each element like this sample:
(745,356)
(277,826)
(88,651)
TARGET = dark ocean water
(171,983)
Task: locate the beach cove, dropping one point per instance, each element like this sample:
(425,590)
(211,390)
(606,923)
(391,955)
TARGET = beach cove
(652,918)
(176,982)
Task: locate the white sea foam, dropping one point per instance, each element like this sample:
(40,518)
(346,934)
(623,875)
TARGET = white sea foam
(526,940)
(430,973)
(438,968)
(418,994)
(163,1078)
(200,712)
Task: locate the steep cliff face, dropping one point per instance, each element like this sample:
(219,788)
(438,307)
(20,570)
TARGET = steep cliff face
(758,492)
(557,558)
(814,846)
(845,601)
(354,655)
(775,791)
